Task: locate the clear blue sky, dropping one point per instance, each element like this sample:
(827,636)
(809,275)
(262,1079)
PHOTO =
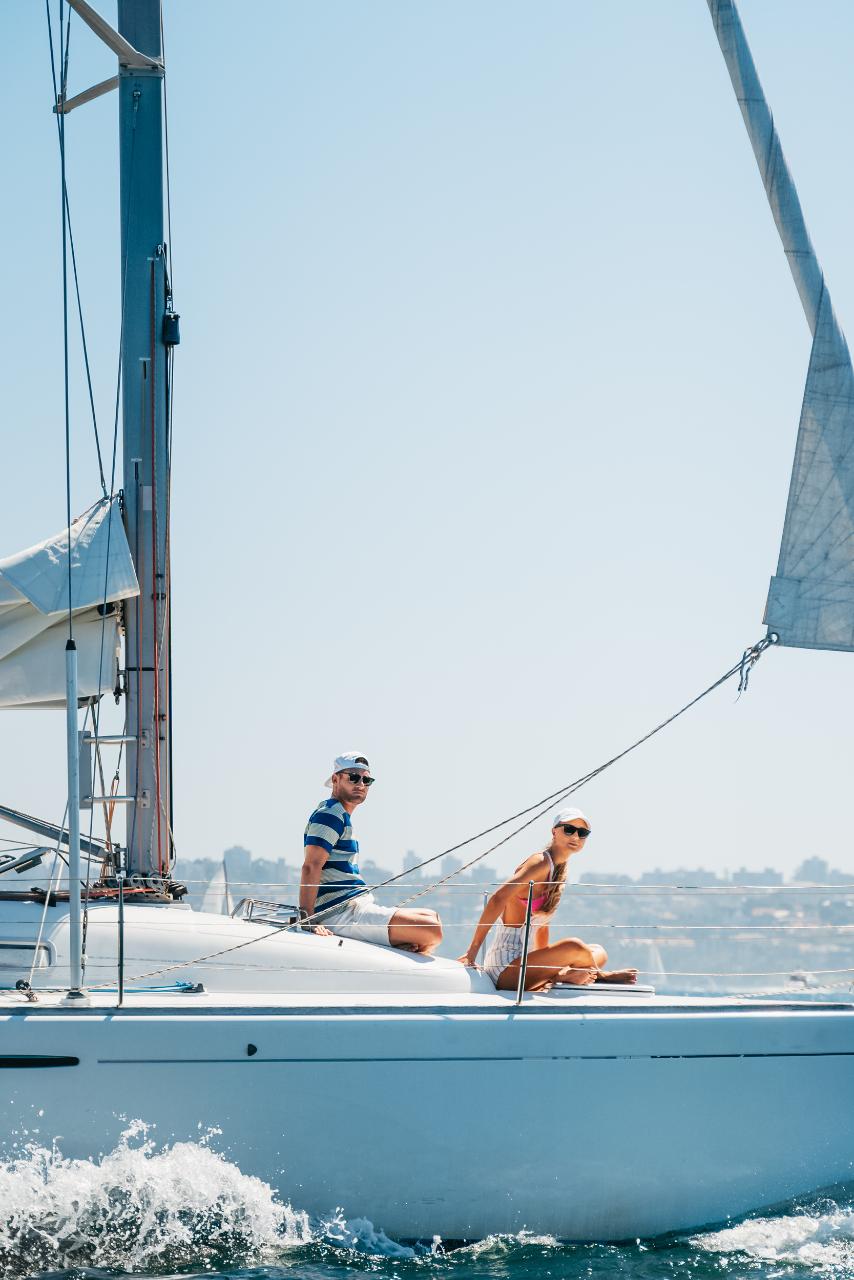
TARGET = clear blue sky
(485,409)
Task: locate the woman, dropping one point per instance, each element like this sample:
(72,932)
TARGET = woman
(568,960)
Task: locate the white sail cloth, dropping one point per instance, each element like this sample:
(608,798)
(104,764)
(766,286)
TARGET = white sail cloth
(34,587)
(811,598)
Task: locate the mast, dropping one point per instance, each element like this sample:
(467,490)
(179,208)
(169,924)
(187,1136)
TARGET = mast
(776,178)
(145,442)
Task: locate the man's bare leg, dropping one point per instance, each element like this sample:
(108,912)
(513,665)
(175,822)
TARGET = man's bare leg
(415,930)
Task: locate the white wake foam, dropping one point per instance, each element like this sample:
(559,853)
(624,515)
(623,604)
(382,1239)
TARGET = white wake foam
(820,1239)
(144,1208)
(138,1208)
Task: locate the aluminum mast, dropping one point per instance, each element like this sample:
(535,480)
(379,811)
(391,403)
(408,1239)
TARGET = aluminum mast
(144,411)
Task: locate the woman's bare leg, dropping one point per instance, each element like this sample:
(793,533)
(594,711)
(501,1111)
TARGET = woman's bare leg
(569,960)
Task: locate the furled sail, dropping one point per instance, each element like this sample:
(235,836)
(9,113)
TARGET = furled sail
(34,587)
(811,597)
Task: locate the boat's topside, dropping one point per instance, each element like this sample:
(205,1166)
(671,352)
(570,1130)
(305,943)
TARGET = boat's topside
(560,1001)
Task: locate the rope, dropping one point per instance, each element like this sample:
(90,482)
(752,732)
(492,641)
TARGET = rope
(750,656)
(155,736)
(131,835)
(60,117)
(63,63)
(59,102)
(166,149)
(541,807)
(479,887)
(660,974)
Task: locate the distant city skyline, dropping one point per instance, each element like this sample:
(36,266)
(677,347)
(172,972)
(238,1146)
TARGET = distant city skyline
(813,870)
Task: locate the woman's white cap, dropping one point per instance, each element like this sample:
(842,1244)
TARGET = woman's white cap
(348,760)
(568,815)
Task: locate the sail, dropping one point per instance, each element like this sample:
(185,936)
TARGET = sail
(217,896)
(811,597)
(34,589)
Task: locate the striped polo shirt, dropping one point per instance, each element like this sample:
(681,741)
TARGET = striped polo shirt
(330,827)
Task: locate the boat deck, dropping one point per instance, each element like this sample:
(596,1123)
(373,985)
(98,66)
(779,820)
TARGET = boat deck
(559,1002)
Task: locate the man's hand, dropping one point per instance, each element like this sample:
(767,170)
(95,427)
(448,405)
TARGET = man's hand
(304,924)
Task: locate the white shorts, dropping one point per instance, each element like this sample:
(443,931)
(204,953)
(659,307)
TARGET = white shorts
(363,919)
(506,945)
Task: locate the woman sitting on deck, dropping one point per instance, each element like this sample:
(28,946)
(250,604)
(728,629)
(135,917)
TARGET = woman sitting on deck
(570,959)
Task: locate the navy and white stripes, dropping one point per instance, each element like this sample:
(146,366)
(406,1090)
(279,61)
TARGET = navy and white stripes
(330,828)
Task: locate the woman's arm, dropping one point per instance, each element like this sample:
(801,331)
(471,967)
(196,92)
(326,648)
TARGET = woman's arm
(490,913)
(496,904)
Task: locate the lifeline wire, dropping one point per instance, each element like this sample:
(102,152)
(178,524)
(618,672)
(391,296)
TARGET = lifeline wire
(751,655)
(747,661)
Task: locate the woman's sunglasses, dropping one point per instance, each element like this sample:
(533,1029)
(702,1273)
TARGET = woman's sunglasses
(570,830)
(361,777)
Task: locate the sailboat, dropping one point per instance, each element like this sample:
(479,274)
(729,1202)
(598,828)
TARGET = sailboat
(244,1024)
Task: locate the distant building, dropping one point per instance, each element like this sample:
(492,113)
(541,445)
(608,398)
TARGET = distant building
(768,876)
(604,877)
(697,875)
(238,862)
(373,873)
(410,859)
(817,871)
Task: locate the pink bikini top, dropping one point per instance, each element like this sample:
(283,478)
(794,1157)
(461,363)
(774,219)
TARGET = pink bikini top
(536,903)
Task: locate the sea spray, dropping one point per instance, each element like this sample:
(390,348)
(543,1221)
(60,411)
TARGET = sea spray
(817,1239)
(139,1208)
(183,1207)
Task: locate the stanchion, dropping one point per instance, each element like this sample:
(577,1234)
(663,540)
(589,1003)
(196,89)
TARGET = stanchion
(523,967)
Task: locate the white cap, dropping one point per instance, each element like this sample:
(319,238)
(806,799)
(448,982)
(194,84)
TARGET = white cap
(348,760)
(568,815)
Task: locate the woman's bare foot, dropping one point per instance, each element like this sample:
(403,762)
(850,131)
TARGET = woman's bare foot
(617,975)
(576,977)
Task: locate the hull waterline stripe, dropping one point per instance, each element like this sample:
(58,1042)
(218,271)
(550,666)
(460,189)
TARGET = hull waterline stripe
(18,1061)
(527,1057)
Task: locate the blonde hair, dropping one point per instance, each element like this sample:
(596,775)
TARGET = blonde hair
(555,886)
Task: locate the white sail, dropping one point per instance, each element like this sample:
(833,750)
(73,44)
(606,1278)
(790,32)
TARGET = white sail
(217,896)
(811,598)
(34,589)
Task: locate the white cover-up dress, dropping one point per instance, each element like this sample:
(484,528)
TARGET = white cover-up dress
(508,940)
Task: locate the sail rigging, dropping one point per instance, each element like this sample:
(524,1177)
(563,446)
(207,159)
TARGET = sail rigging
(811,597)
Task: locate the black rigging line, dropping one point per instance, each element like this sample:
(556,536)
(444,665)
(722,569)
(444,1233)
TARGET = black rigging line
(60,121)
(63,62)
(166,148)
(748,659)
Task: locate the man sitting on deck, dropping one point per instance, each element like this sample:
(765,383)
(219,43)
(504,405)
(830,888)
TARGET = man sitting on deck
(331,876)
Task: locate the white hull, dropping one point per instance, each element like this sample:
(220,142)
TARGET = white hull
(592,1118)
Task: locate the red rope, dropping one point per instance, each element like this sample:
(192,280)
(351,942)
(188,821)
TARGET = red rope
(155,593)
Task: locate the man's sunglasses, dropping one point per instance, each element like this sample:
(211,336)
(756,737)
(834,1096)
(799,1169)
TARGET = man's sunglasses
(361,777)
(570,830)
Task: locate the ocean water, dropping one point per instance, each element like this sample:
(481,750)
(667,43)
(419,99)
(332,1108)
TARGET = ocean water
(184,1210)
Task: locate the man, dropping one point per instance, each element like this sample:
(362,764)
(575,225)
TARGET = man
(331,876)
